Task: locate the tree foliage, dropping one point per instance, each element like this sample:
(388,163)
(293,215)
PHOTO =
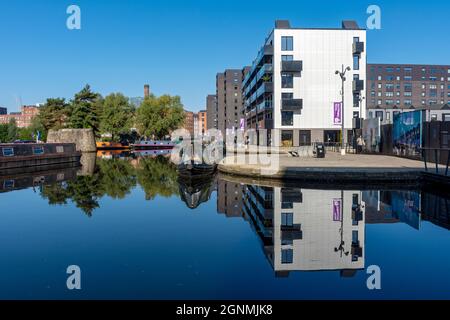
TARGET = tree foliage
(53,114)
(117,116)
(159,116)
(86,110)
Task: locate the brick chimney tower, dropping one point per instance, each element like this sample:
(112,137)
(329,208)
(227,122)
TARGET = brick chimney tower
(146,91)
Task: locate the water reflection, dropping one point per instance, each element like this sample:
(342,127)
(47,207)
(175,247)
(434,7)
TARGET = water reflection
(300,228)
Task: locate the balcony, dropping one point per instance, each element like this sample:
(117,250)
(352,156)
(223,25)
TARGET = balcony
(291,195)
(265,51)
(358,85)
(291,233)
(292,105)
(358,47)
(266,87)
(292,66)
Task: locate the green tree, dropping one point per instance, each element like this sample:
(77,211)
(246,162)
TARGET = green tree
(53,114)
(157,176)
(117,115)
(117,177)
(3,133)
(13,131)
(25,134)
(37,126)
(86,110)
(158,116)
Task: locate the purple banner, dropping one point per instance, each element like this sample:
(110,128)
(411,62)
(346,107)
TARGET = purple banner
(337,113)
(337,210)
(242,124)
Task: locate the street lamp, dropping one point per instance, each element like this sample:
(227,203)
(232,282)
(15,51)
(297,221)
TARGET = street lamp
(343,78)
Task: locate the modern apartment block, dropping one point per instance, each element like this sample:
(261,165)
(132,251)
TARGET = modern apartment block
(229,100)
(292,86)
(212,112)
(308,230)
(3,111)
(395,88)
(189,122)
(202,122)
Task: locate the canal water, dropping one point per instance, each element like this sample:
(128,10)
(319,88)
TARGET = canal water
(137,231)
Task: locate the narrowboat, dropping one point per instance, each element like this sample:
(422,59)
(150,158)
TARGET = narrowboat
(153,144)
(112,146)
(40,155)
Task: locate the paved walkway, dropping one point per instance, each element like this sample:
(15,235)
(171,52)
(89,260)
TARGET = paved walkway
(333,167)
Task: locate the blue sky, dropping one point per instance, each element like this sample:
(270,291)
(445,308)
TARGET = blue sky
(178,46)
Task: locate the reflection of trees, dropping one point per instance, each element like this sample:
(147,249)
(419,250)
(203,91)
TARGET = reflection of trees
(157,176)
(117,177)
(56,194)
(85,192)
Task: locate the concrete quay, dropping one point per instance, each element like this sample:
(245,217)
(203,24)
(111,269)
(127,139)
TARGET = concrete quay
(334,168)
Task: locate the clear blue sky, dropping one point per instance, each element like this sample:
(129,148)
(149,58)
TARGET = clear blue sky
(178,46)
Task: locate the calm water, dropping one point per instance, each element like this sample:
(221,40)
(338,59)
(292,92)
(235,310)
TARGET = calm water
(138,232)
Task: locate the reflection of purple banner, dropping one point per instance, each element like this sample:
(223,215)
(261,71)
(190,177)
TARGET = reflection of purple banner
(337,113)
(242,124)
(337,210)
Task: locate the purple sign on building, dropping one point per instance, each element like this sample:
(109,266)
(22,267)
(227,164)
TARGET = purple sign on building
(337,216)
(337,113)
(242,124)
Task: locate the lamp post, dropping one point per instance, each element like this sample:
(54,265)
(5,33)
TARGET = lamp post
(343,78)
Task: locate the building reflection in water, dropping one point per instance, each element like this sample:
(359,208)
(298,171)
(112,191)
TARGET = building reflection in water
(308,230)
(319,230)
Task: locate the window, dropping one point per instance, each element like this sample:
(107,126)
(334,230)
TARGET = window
(287,219)
(446,117)
(287,43)
(379,78)
(408,102)
(287,58)
(355,62)
(287,80)
(356,40)
(287,256)
(408,87)
(379,114)
(389,102)
(305,138)
(59,149)
(389,69)
(408,70)
(433,86)
(388,115)
(8,152)
(408,78)
(389,86)
(434,117)
(390,78)
(287,95)
(287,138)
(287,118)
(389,94)
(379,86)
(408,94)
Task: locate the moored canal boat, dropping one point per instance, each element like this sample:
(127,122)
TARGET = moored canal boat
(15,156)
(153,144)
(111,146)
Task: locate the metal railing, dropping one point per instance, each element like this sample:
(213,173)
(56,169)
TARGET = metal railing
(437,159)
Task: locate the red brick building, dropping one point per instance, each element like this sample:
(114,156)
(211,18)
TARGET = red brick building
(23,118)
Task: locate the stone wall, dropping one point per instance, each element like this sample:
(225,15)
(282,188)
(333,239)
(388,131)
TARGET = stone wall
(83,138)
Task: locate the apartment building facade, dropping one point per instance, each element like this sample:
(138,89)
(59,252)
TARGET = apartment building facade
(202,122)
(229,100)
(23,118)
(3,111)
(189,122)
(292,88)
(212,112)
(396,88)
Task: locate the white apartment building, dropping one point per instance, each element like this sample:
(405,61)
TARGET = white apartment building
(292,86)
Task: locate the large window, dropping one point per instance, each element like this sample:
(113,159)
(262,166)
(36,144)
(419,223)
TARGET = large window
(287,219)
(287,80)
(287,43)
(287,118)
(355,62)
(287,256)
(287,138)
(287,58)
(305,138)
(379,114)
